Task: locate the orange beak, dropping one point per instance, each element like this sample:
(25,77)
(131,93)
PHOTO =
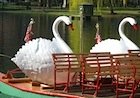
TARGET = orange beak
(71,26)
(135,27)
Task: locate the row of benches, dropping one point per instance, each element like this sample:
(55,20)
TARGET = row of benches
(122,69)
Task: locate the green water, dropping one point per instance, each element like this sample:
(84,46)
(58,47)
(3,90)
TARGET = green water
(6,96)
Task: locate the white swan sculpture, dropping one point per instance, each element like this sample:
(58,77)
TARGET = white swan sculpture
(35,57)
(117,46)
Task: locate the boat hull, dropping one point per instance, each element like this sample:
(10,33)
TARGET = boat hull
(9,90)
(27,90)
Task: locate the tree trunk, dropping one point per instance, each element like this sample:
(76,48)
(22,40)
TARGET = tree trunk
(64,4)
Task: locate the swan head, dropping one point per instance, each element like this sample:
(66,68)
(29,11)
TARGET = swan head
(67,21)
(132,21)
(135,27)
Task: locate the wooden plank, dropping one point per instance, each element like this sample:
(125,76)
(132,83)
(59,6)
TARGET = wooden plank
(19,80)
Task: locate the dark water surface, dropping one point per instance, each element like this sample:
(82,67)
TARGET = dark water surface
(13,27)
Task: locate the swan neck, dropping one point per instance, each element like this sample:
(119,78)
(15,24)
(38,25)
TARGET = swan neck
(128,43)
(55,28)
(121,29)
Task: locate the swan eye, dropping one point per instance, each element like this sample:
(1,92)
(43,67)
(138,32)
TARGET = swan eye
(135,27)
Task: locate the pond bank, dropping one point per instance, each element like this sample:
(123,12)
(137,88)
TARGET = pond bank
(61,11)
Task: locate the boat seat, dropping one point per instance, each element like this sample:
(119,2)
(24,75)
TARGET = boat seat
(127,75)
(96,71)
(69,63)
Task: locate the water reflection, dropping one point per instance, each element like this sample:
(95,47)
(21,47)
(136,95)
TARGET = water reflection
(13,27)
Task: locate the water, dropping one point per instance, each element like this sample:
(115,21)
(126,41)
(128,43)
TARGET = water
(13,27)
(6,96)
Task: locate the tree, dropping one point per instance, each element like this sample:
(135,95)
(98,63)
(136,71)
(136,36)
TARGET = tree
(64,4)
(124,3)
(100,4)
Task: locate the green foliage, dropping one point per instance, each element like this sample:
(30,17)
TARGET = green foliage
(74,6)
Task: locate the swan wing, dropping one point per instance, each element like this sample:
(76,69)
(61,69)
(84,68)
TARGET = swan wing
(109,45)
(35,60)
(29,52)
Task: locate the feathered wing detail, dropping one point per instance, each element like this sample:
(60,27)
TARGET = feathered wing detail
(30,51)
(108,46)
(35,60)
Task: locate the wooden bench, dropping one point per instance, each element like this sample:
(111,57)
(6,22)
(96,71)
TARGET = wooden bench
(97,66)
(69,63)
(134,52)
(128,75)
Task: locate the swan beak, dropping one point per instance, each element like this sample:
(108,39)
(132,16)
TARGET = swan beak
(135,27)
(71,26)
